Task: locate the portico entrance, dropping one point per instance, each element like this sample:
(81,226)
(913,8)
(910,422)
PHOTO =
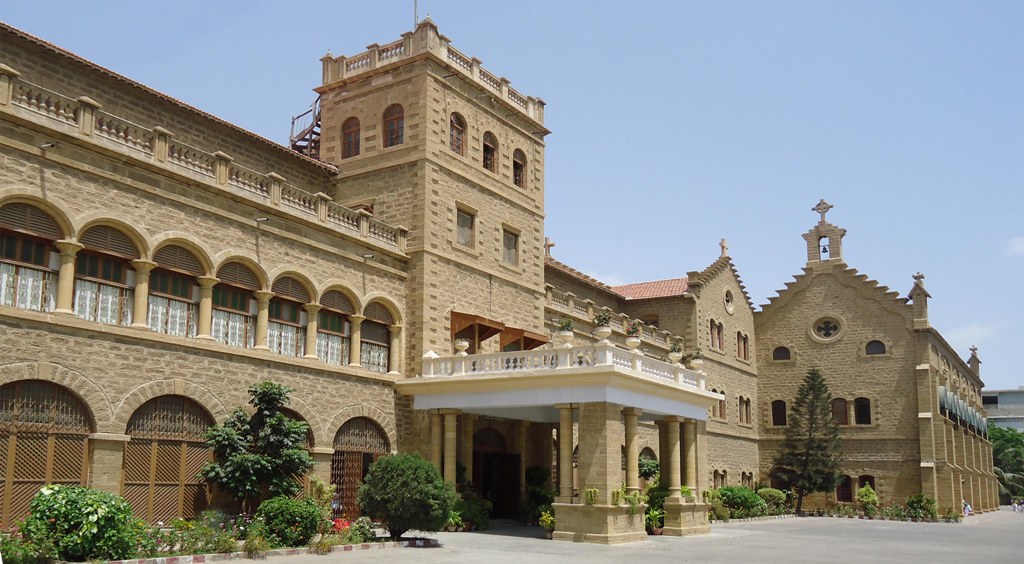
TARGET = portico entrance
(496,473)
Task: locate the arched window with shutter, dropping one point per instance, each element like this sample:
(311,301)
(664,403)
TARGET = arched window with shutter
(490,152)
(28,265)
(104,277)
(394,126)
(286,328)
(519,168)
(375,344)
(333,329)
(457,134)
(350,138)
(173,292)
(234,306)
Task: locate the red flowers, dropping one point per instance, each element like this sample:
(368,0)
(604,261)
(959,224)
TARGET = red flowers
(341,525)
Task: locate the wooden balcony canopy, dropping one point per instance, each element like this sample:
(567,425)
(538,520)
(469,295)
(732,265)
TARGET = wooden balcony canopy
(527,339)
(481,327)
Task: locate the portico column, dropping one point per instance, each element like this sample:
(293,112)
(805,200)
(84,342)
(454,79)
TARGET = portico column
(435,441)
(206,284)
(451,417)
(662,454)
(395,351)
(564,452)
(468,420)
(262,316)
(522,428)
(140,316)
(690,452)
(312,325)
(672,428)
(355,340)
(66,276)
(630,414)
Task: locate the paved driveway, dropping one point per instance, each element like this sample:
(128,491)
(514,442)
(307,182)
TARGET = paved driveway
(990,538)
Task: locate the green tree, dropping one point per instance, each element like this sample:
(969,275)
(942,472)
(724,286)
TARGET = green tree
(406,492)
(1008,460)
(811,450)
(262,454)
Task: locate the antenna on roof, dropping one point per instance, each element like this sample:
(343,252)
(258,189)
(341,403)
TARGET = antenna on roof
(415,13)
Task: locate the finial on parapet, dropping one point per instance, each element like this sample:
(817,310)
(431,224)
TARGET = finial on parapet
(724,246)
(974,362)
(974,350)
(822,208)
(547,246)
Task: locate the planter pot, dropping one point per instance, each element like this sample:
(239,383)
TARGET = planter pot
(657,531)
(696,364)
(632,342)
(675,357)
(564,337)
(548,533)
(603,332)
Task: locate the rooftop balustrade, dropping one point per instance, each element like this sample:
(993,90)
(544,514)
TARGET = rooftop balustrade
(569,305)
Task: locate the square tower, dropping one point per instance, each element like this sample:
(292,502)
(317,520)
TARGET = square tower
(426,138)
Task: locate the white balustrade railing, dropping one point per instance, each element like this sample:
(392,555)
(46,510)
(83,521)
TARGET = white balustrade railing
(553,359)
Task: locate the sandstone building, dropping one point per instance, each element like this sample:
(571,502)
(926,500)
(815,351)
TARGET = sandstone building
(391,267)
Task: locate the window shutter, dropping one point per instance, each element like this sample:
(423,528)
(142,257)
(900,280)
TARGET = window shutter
(29,219)
(173,257)
(288,287)
(108,239)
(379,313)
(237,274)
(337,301)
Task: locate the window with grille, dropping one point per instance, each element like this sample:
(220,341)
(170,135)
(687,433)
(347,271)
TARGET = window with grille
(332,339)
(457,134)
(490,156)
(359,442)
(285,335)
(394,125)
(519,168)
(510,246)
(464,227)
(25,278)
(375,346)
(350,138)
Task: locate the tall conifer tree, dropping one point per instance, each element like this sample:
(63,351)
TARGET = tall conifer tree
(810,455)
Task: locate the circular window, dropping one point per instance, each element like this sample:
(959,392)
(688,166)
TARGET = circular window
(827,328)
(728,301)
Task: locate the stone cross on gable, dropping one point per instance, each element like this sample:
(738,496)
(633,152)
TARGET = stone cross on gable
(919,277)
(547,246)
(974,349)
(822,208)
(724,246)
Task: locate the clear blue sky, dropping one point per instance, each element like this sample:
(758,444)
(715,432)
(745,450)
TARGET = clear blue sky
(678,123)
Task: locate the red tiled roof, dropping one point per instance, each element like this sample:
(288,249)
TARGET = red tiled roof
(654,289)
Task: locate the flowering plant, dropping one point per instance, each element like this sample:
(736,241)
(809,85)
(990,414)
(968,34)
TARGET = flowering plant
(633,328)
(341,525)
(602,318)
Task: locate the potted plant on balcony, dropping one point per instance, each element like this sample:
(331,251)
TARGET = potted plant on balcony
(675,352)
(602,319)
(697,360)
(632,334)
(565,334)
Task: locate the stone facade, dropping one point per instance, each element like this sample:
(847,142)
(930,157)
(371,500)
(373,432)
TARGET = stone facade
(349,271)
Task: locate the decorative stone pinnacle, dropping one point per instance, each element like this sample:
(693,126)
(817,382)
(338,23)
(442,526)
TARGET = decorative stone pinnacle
(547,246)
(822,208)
(724,246)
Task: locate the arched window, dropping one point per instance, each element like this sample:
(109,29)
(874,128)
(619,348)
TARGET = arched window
(490,155)
(457,134)
(720,332)
(375,345)
(28,264)
(350,138)
(781,353)
(519,168)
(359,443)
(746,348)
(714,406)
(875,347)
(334,329)
(234,305)
(394,126)
(721,406)
(840,414)
(866,480)
(286,327)
(713,330)
(173,292)
(778,413)
(862,411)
(739,344)
(717,479)
(161,461)
(844,489)
(104,277)
(44,439)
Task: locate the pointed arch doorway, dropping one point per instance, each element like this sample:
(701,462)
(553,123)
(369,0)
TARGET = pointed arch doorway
(496,472)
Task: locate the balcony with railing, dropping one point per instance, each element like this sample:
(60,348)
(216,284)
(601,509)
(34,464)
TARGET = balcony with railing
(582,312)
(427,39)
(155,147)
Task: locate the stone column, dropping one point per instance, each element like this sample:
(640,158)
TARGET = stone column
(435,441)
(355,340)
(672,435)
(322,459)
(262,316)
(203,327)
(450,443)
(66,276)
(312,325)
(522,428)
(468,420)
(600,436)
(395,351)
(564,452)
(690,453)
(106,460)
(140,318)
(630,414)
(662,454)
